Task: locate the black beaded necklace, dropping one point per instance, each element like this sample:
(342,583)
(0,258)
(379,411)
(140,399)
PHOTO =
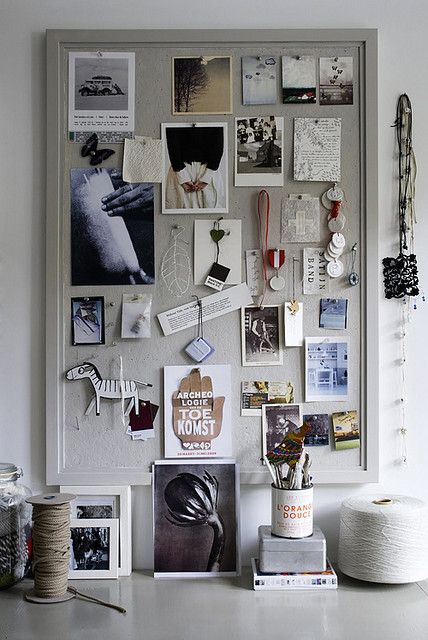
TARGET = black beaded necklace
(401,273)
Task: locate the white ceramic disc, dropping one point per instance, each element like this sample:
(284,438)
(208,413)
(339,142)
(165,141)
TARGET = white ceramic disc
(325,201)
(335,252)
(335,194)
(336,224)
(277,283)
(328,257)
(335,268)
(338,240)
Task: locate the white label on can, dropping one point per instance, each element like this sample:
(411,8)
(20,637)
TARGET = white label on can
(292,515)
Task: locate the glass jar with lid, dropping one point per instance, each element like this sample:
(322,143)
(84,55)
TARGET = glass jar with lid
(15,526)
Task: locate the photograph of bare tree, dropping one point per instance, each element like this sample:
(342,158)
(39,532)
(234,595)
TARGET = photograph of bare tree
(202,84)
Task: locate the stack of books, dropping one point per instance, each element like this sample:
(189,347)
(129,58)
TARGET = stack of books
(293,581)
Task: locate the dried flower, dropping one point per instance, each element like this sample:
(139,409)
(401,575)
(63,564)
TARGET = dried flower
(192,501)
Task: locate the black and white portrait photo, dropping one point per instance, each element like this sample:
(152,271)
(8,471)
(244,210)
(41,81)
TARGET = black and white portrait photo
(277,420)
(93,548)
(101,92)
(196,529)
(259,150)
(262,335)
(112,229)
(195,171)
(202,84)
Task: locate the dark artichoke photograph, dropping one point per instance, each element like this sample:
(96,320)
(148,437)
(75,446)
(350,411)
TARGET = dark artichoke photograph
(195,518)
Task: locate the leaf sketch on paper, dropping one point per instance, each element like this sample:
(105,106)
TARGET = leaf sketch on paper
(175,267)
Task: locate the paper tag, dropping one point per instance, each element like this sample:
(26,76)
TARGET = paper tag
(254,264)
(315,279)
(214,306)
(217,276)
(293,326)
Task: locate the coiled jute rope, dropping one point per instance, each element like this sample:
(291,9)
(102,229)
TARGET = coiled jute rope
(51,552)
(384,539)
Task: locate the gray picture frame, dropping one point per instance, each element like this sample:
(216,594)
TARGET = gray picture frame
(59,42)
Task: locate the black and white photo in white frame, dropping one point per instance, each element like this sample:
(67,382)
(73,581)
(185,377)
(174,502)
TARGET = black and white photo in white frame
(262,335)
(94,548)
(195,168)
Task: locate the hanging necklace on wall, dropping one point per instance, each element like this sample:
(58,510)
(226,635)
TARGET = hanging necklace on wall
(401,273)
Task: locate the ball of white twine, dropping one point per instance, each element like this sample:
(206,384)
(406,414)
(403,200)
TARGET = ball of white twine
(384,539)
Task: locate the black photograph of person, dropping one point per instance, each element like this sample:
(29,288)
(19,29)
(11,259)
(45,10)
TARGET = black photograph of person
(195,172)
(112,229)
(261,336)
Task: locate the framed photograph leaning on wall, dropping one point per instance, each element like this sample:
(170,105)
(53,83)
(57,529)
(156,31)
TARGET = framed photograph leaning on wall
(106,503)
(94,548)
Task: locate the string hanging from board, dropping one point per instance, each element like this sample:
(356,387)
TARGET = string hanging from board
(51,552)
(401,280)
(263,213)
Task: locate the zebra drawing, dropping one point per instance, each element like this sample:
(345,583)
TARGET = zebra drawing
(114,389)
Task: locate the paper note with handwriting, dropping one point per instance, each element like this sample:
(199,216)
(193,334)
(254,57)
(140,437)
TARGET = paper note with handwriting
(317,149)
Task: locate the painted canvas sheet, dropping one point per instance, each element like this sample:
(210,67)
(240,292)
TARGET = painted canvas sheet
(259,151)
(259,80)
(204,496)
(299,84)
(197,411)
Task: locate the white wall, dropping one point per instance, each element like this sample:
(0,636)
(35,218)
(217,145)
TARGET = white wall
(402,68)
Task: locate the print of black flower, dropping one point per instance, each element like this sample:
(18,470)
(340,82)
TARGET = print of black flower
(192,501)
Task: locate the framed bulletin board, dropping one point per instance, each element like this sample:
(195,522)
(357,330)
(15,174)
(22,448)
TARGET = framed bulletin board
(85,448)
